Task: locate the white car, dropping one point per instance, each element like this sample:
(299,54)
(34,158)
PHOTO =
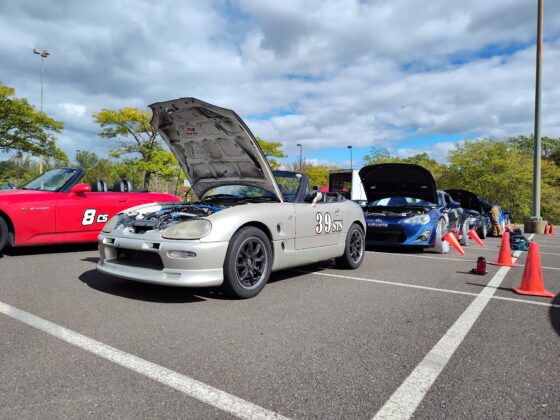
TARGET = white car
(247,223)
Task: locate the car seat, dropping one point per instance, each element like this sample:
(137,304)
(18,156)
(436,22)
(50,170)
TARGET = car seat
(123,185)
(99,186)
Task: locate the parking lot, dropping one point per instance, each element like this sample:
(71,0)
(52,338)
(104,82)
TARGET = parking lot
(406,335)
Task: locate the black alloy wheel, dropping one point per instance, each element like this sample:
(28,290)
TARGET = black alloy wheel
(247,264)
(251,264)
(355,248)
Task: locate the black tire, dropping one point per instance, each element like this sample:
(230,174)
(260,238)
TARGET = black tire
(247,264)
(4,234)
(354,249)
(482,231)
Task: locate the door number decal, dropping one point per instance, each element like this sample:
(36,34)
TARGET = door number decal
(89,217)
(325,224)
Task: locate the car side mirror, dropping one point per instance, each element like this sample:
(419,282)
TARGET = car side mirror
(80,189)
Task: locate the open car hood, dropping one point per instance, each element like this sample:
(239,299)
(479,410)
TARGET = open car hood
(467,199)
(213,145)
(398,180)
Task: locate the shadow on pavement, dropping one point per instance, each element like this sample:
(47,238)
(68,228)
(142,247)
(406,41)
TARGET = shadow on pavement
(554,314)
(50,249)
(397,249)
(163,294)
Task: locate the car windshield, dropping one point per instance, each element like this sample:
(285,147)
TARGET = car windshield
(400,202)
(288,182)
(237,191)
(52,180)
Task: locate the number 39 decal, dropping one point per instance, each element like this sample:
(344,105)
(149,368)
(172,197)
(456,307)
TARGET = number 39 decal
(89,217)
(325,224)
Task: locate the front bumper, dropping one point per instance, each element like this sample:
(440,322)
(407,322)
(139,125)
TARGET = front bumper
(155,260)
(400,234)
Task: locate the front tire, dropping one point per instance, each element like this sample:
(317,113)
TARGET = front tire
(482,231)
(4,233)
(247,264)
(354,249)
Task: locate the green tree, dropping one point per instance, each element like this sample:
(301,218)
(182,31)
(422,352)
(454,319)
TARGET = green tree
(526,144)
(378,155)
(136,141)
(94,167)
(437,169)
(271,150)
(24,129)
(495,170)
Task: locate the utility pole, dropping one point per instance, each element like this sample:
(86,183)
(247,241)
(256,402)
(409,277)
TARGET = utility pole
(300,149)
(537,137)
(44,54)
(537,224)
(350,147)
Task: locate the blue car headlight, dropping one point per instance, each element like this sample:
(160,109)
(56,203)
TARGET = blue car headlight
(418,220)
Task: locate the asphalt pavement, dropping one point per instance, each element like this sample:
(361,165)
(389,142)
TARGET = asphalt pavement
(408,334)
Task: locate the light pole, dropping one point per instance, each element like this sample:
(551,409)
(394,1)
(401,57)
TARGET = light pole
(350,147)
(537,147)
(44,54)
(300,149)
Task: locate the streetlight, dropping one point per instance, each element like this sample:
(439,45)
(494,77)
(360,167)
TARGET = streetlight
(300,149)
(350,147)
(44,54)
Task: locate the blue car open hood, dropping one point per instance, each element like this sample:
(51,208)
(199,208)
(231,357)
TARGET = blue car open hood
(398,180)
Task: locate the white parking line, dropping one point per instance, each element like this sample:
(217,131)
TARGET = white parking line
(549,246)
(191,387)
(417,286)
(448,259)
(404,401)
(548,253)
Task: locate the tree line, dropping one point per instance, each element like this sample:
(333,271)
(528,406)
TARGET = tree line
(499,171)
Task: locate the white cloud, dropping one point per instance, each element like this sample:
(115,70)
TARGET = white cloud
(74,109)
(323,74)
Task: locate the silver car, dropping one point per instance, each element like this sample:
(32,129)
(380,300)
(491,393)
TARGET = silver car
(248,222)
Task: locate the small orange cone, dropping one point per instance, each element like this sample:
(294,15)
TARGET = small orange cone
(504,257)
(551,231)
(452,240)
(546,231)
(473,235)
(532,281)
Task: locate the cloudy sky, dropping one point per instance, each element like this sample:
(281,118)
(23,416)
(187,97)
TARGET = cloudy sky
(408,75)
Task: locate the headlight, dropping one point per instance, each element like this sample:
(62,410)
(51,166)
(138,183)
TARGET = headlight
(419,220)
(111,224)
(192,229)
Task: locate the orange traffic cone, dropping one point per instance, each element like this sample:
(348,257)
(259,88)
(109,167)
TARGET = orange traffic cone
(504,257)
(474,236)
(532,281)
(546,231)
(551,231)
(452,240)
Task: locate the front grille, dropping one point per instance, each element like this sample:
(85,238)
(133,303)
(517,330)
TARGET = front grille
(385,235)
(142,259)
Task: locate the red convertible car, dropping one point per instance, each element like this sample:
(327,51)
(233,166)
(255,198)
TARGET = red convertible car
(55,208)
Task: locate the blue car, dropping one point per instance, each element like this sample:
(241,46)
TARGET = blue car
(405,209)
